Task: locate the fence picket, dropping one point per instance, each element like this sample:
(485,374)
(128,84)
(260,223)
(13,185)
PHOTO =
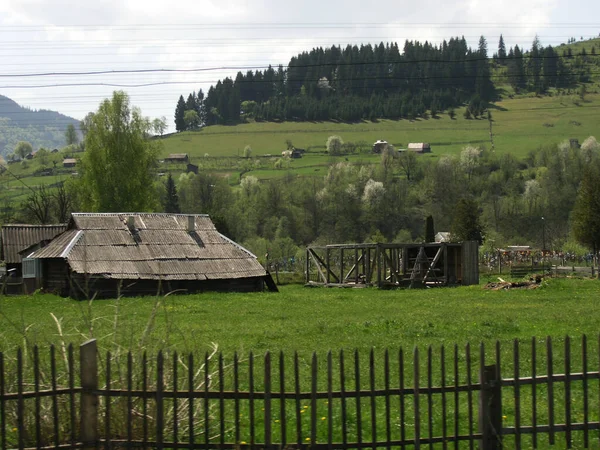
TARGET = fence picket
(373,400)
(550,373)
(282,403)
(533,393)
(417,437)
(568,435)
(402,406)
(38,400)
(146,405)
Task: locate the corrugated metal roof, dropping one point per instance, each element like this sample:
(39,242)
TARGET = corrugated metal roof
(18,237)
(159,246)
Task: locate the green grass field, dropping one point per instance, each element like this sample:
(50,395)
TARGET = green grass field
(519,126)
(319,319)
(305,319)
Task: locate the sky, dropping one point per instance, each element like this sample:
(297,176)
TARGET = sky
(213,39)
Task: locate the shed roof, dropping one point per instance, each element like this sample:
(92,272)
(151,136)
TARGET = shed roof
(159,246)
(69,161)
(177,156)
(18,237)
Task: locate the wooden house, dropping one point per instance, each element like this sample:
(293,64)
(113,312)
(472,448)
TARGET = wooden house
(113,254)
(16,238)
(193,168)
(69,162)
(419,147)
(177,158)
(379,146)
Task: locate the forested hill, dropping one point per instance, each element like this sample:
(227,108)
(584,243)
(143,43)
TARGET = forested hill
(41,128)
(381,81)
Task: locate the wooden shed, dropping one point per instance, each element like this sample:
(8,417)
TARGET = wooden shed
(69,162)
(393,265)
(15,239)
(113,254)
(419,147)
(177,158)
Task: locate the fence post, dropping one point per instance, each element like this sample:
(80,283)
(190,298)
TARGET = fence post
(490,412)
(88,373)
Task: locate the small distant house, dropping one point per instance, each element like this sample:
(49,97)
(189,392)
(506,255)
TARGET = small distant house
(379,146)
(193,168)
(419,147)
(293,153)
(69,162)
(574,143)
(177,158)
(54,150)
(301,150)
(29,156)
(442,236)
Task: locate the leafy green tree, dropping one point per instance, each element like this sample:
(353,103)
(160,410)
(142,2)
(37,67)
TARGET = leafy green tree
(247,151)
(585,216)
(180,114)
(171,201)
(451,113)
(429,230)
(159,125)
(84,125)
(466,225)
(71,137)
(117,170)
(22,149)
(191,119)
(334,145)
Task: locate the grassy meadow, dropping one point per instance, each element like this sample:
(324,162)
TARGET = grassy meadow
(319,319)
(519,126)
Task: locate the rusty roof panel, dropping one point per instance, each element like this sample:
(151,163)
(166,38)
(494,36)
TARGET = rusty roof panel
(18,237)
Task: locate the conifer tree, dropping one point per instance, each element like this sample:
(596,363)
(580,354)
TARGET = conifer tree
(180,114)
(586,212)
(171,202)
(501,50)
(429,230)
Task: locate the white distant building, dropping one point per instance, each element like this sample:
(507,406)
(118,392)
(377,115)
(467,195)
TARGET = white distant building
(442,236)
(419,147)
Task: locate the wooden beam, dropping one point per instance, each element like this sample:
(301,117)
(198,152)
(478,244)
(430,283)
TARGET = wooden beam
(329,271)
(355,266)
(433,263)
(315,259)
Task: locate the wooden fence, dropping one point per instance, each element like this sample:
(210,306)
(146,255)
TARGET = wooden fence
(99,401)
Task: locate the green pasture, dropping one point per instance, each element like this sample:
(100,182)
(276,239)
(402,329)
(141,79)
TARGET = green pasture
(519,126)
(317,320)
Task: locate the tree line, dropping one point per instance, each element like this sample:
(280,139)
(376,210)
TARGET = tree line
(368,82)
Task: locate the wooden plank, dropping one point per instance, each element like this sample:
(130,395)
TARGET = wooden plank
(236,399)
(312,255)
(2,406)
(267,400)
(358,398)
(313,400)
(343,401)
(456,398)
(160,411)
(431,268)
(36,389)
(568,433)
(402,405)
(533,392)
(386,383)
(88,419)
(417,412)
(282,413)
(107,411)
(517,394)
(373,400)
(329,401)
(206,405)
(129,398)
(221,374)
(355,267)
(469,395)
(191,400)
(550,373)
(20,402)
(145,397)
(175,399)
(586,410)
(72,411)
(444,406)
(430,396)
(251,399)
(326,266)
(298,404)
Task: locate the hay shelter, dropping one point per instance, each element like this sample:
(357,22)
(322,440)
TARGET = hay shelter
(114,254)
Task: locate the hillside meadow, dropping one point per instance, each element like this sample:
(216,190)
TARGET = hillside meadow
(519,126)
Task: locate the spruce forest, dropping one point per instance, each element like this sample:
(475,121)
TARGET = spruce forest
(382,81)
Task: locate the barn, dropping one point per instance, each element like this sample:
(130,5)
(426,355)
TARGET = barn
(115,254)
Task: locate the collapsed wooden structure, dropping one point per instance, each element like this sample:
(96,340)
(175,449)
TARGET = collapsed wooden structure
(393,265)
